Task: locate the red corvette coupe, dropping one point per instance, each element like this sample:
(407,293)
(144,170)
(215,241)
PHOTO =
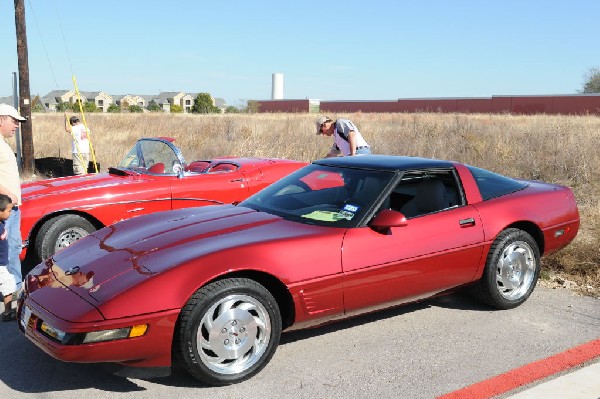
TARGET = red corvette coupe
(152,177)
(212,288)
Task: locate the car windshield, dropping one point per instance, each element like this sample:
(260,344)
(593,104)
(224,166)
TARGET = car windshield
(323,195)
(153,157)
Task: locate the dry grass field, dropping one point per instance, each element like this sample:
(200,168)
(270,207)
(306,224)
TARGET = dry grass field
(559,149)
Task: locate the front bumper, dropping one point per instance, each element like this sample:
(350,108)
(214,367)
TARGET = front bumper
(152,350)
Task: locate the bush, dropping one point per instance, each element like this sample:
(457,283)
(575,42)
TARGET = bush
(135,109)
(153,107)
(113,108)
(232,110)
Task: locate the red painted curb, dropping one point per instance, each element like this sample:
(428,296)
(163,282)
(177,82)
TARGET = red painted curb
(529,373)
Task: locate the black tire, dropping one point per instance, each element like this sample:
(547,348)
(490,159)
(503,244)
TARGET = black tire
(238,323)
(511,271)
(60,232)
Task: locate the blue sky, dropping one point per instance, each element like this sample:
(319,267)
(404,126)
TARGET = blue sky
(328,50)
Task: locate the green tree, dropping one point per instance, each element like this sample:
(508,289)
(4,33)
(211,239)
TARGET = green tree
(176,109)
(90,106)
(135,109)
(36,105)
(204,104)
(592,81)
(113,108)
(63,106)
(153,107)
(232,110)
(252,106)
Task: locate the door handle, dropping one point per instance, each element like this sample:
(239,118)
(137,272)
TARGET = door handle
(467,222)
(240,179)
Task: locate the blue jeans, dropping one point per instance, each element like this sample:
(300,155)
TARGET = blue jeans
(13,225)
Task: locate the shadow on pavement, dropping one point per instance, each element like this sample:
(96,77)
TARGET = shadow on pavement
(27,369)
(32,371)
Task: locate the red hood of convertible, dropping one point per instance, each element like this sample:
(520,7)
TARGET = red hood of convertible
(64,185)
(115,258)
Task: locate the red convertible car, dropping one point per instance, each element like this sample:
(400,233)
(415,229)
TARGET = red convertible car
(152,177)
(212,288)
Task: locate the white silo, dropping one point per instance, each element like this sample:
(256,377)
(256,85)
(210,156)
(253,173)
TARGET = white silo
(277,89)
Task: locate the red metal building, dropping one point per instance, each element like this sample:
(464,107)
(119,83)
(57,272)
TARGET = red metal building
(575,104)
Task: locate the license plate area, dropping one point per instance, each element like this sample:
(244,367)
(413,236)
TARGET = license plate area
(25,317)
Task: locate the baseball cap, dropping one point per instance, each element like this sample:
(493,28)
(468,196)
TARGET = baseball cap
(8,110)
(73,119)
(320,121)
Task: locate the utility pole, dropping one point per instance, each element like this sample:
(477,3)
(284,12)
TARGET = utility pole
(24,101)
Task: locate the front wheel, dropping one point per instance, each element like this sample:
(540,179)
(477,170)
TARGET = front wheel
(511,272)
(60,232)
(228,331)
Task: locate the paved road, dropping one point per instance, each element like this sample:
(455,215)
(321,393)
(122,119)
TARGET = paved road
(417,351)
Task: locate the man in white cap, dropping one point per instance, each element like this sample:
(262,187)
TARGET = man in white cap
(347,140)
(10,184)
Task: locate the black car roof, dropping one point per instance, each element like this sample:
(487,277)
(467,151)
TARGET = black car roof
(384,162)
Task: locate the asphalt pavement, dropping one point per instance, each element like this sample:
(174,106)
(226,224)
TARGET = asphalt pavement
(424,350)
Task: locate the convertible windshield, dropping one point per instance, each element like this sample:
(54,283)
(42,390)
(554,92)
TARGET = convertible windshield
(152,156)
(323,195)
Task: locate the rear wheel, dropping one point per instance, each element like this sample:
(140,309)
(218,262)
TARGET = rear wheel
(511,272)
(60,232)
(228,331)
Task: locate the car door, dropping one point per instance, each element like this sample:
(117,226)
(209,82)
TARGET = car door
(430,254)
(438,248)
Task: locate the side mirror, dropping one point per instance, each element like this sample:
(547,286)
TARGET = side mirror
(177,168)
(388,218)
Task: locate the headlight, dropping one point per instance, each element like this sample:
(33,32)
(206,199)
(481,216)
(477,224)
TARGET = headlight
(52,331)
(66,338)
(118,333)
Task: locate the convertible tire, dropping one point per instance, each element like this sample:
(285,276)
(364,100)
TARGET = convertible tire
(511,272)
(59,232)
(228,331)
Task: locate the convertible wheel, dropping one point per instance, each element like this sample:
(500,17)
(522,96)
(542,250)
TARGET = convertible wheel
(60,232)
(228,331)
(511,271)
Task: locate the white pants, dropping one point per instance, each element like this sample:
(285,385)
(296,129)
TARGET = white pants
(80,163)
(7,282)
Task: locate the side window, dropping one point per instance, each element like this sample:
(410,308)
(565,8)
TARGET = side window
(423,192)
(492,185)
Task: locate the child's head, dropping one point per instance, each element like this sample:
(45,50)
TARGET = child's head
(5,206)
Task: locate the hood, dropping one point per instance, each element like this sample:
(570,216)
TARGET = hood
(118,257)
(64,185)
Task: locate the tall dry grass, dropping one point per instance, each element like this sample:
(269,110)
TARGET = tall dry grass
(559,149)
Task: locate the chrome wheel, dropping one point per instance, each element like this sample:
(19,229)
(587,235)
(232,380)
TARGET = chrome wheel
(68,237)
(511,271)
(227,331)
(515,270)
(233,334)
(59,232)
